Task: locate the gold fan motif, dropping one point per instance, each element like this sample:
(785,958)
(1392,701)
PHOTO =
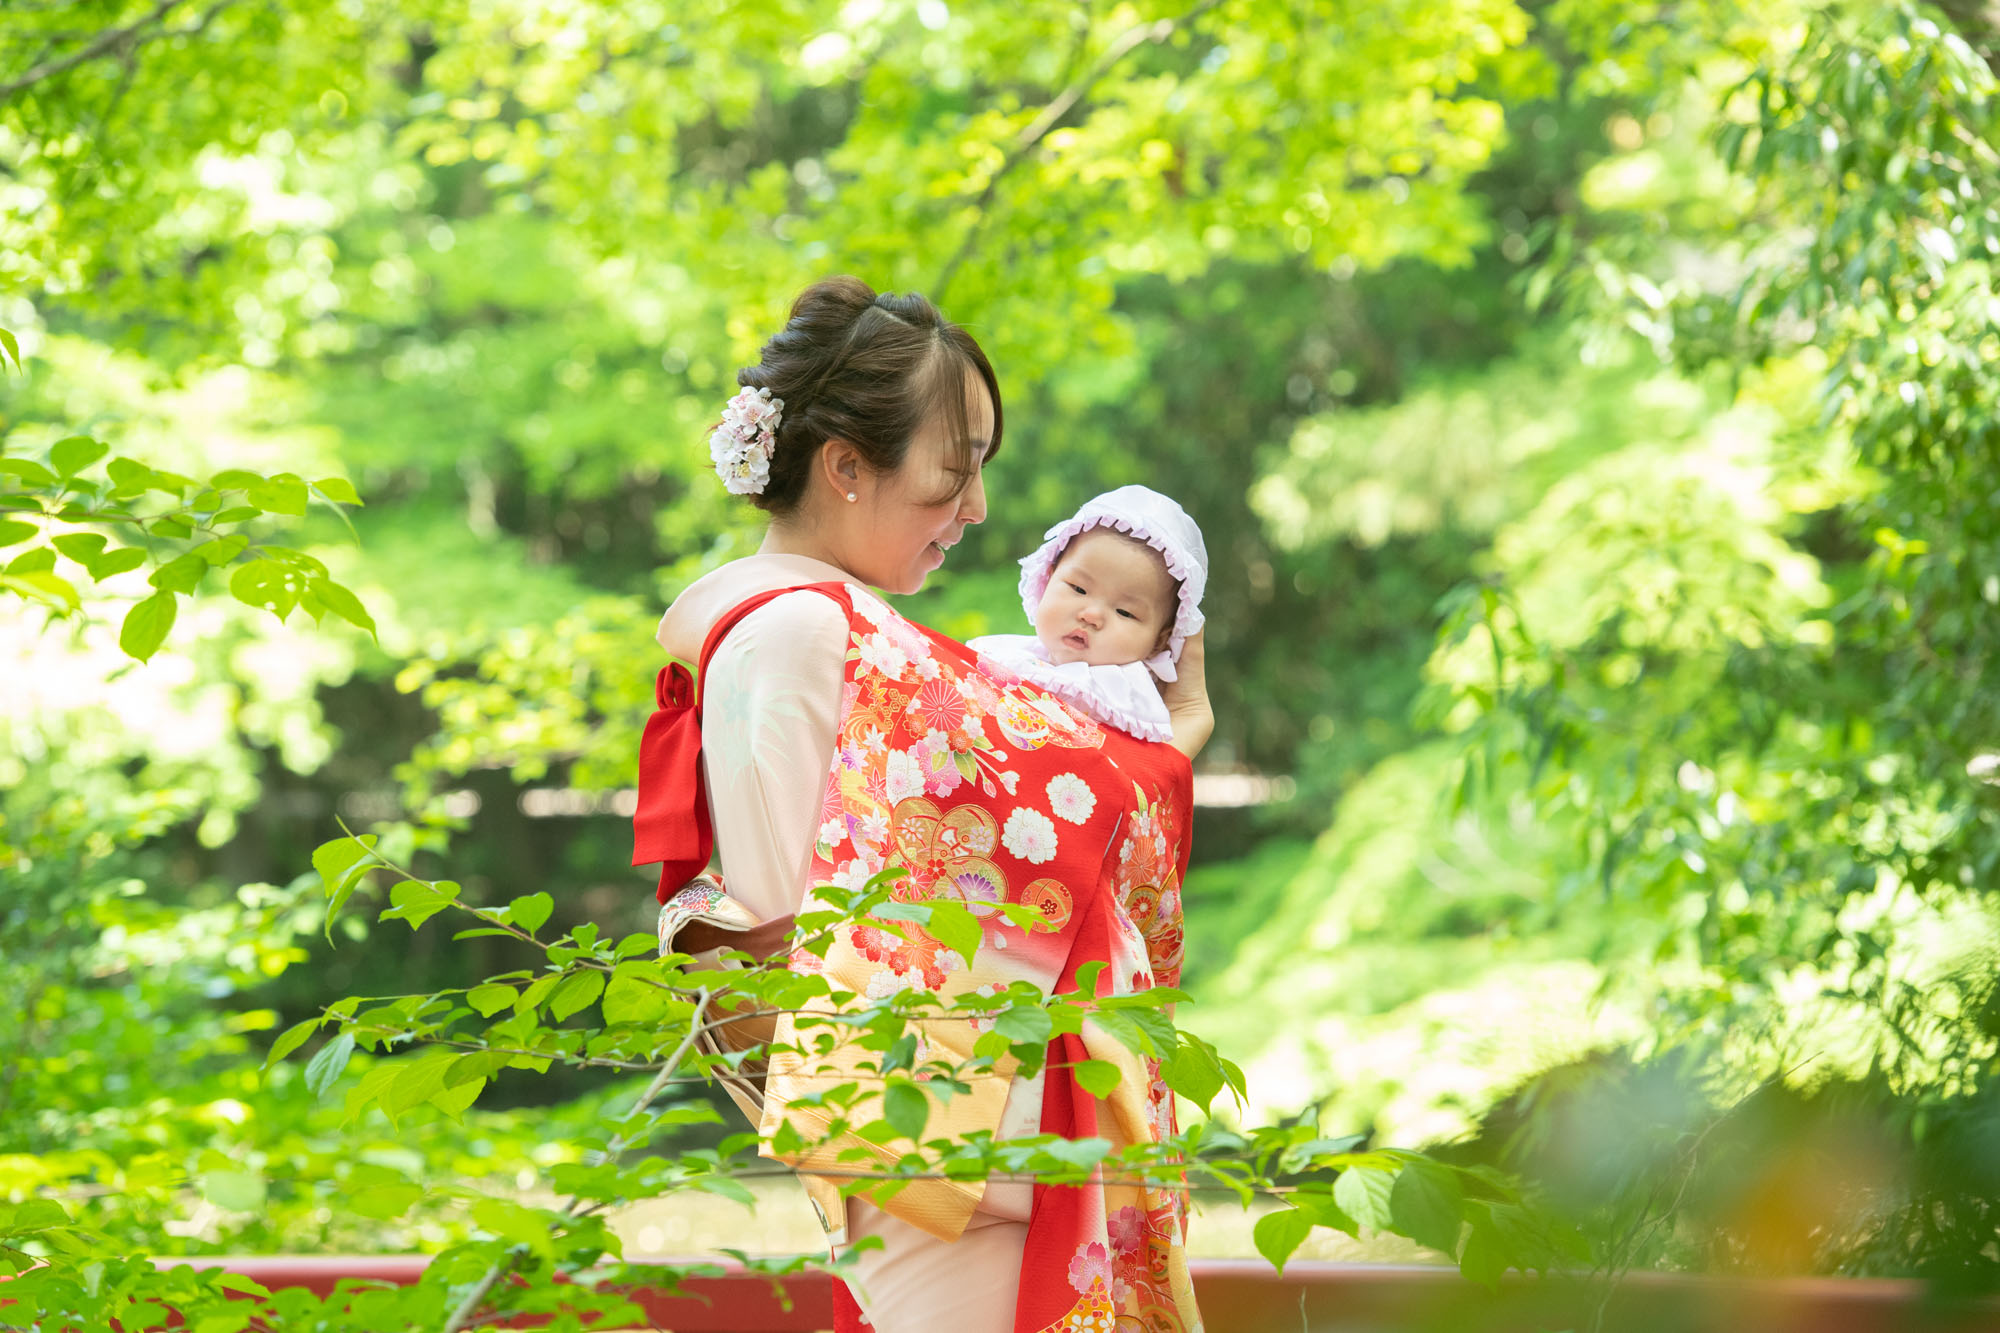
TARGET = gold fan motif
(947,855)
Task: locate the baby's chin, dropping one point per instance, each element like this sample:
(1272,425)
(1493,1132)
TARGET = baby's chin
(1061,654)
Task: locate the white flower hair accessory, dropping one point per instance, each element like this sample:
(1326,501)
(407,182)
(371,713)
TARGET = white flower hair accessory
(742,445)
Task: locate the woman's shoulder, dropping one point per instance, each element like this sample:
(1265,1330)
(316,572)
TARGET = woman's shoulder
(685,627)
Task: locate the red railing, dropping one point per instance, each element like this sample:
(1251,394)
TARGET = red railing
(1245,1296)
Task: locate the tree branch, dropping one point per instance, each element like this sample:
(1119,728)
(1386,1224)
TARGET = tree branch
(502,1266)
(1051,116)
(131,36)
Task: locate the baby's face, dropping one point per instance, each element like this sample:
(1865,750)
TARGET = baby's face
(1110,601)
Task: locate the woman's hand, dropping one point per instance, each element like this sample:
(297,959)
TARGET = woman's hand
(1188,711)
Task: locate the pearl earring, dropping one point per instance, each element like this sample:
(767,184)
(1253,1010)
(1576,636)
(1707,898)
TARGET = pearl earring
(852,497)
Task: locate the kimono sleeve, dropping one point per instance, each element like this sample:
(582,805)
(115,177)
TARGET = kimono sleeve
(770,720)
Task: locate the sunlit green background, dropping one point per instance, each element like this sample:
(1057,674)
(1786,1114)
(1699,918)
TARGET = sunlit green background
(1588,407)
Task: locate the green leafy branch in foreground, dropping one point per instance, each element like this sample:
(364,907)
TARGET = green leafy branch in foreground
(656,1016)
(56,518)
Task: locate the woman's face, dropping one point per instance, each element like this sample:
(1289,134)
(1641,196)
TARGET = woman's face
(907,530)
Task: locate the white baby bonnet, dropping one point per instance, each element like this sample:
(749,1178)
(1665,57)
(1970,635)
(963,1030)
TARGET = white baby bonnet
(1136,511)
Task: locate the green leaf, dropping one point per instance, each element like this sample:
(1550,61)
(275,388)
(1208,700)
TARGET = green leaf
(906,1109)
(1324,1212)
(383,1202)
(530,912)
(1278,1234)
(38,561)
(334,859)
(510,1221)
(28,470)
(326,1067)
(576,992)
(341,864)
(237,1191)
(76,453)
(128,476)
(235,479)
(629,1000)
(147,625)
(10,348)
(1363,1193)
(82,547)
(489,1000)
(182,574)
(33,1215)
(172,525)
(282,494)
(1194,1071)
(39,585)
(417,901)
(230,1319)
(337,489)
(1097,1077)
(1424,1205)
(343,603)
(953,926)
(1026,1023)
(535,992)
(12,530)
(117,562)
(293,1038)
(267,585)
(454,1100)
(222,550)
(727,1187)
(1484,1259)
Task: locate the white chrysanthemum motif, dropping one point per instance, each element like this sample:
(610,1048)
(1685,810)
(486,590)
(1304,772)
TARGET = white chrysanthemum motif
(1030,835)
(1070,798)
(742,445)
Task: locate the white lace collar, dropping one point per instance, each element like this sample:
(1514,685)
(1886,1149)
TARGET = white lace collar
(1124,697)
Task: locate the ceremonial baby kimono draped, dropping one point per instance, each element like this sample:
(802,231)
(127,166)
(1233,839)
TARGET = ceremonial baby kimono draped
(985,788)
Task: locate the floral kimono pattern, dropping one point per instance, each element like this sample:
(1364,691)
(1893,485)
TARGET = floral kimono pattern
(988,789)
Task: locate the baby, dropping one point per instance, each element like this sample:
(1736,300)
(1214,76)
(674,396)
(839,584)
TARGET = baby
(1113,594)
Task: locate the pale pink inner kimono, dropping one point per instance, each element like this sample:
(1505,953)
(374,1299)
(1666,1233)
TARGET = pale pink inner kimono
(770,719)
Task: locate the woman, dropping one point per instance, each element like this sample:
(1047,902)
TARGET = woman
(837,738)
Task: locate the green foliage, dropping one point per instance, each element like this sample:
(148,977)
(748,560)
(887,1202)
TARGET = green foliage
(1670,328)
(180,527)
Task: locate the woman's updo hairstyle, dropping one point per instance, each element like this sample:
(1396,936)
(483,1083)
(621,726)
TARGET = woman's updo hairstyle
(870,369)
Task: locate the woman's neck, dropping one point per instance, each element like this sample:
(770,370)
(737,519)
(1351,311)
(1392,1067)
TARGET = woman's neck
(800,543)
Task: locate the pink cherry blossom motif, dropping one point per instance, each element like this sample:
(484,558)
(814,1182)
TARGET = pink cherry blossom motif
(1127,1229)
(1091,1264)
(905,776)
(882,652)
(944,778)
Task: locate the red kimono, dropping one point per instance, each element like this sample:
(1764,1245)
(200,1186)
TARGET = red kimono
(988,789)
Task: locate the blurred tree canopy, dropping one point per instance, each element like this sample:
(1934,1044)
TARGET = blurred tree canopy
(1647,348)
